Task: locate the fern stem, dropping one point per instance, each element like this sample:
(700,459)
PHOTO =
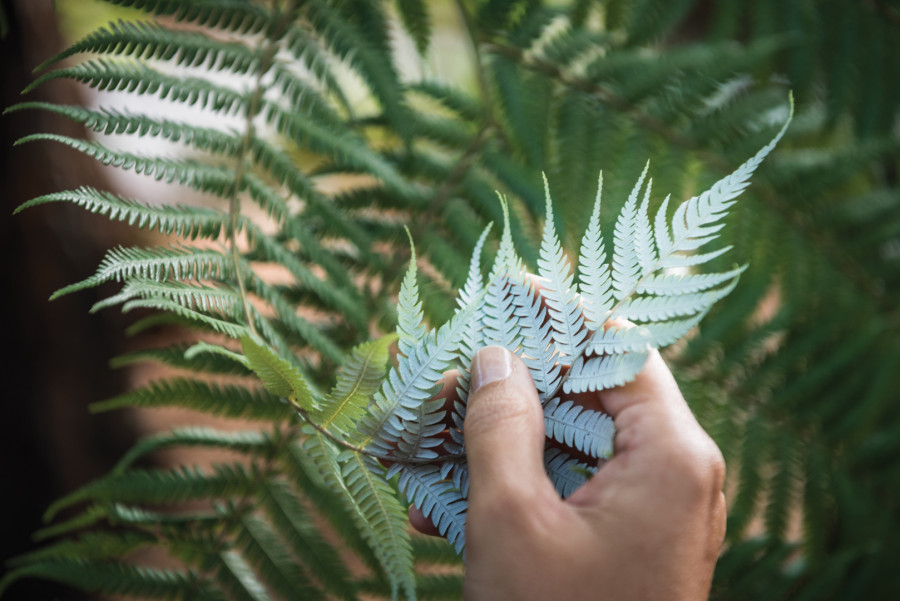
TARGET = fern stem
(480,75)
(452,181)
(267,60)
(364,451)
(605,95)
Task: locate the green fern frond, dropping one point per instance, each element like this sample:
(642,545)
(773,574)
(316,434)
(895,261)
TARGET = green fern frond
(247,442)
(279,377)
(90,546)
(237,579)
(197,298)
(148,40)
(303,471)
(224,400)
(277,568)
(88,518)
(113,578)
(414,14)
(190,223)
(162,486)
(183,316)
(154,264)
(137,78)
(373,506)
(306,541)
(308,51)
(363,45)
(455,99)
(356,384)
(217,180)
(346,147)
(112,121)
(236,15)
(300,328)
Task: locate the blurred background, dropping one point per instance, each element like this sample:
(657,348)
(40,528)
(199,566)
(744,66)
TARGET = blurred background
(796,376)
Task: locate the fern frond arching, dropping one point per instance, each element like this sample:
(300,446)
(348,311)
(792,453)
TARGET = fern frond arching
(114,121)
(148,40)
(309,468)
(115,578)
(181,314)
(234,15)
(137,78)
(306,542)
(89,546)
(356,384)
(188,223)
(385,516)
(225,400)
(217,180)
(279,376)
(200,297)
(157,264)
(248,441)
(162,486)
(265,551)
(175,356)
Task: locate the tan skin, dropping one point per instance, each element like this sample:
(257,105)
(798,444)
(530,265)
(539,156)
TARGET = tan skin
(648,526)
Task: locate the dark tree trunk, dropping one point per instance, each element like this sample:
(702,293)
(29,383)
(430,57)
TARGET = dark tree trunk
(56,355)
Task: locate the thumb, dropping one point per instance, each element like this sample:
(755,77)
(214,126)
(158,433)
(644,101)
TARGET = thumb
(504,427)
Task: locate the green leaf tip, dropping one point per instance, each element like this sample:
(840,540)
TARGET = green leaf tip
(277,374)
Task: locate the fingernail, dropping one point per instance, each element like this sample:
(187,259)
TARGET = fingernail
(491,363)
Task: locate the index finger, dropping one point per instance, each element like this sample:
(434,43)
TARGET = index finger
(650,408)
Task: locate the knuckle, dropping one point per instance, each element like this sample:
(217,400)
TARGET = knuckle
(717,466)
(697,470)
(702,471)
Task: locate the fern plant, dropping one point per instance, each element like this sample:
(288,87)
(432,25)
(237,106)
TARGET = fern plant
(561,88)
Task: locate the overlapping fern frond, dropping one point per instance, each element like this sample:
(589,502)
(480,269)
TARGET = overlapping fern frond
(793,373)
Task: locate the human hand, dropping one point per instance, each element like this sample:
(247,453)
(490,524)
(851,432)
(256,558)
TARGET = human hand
(648,525)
